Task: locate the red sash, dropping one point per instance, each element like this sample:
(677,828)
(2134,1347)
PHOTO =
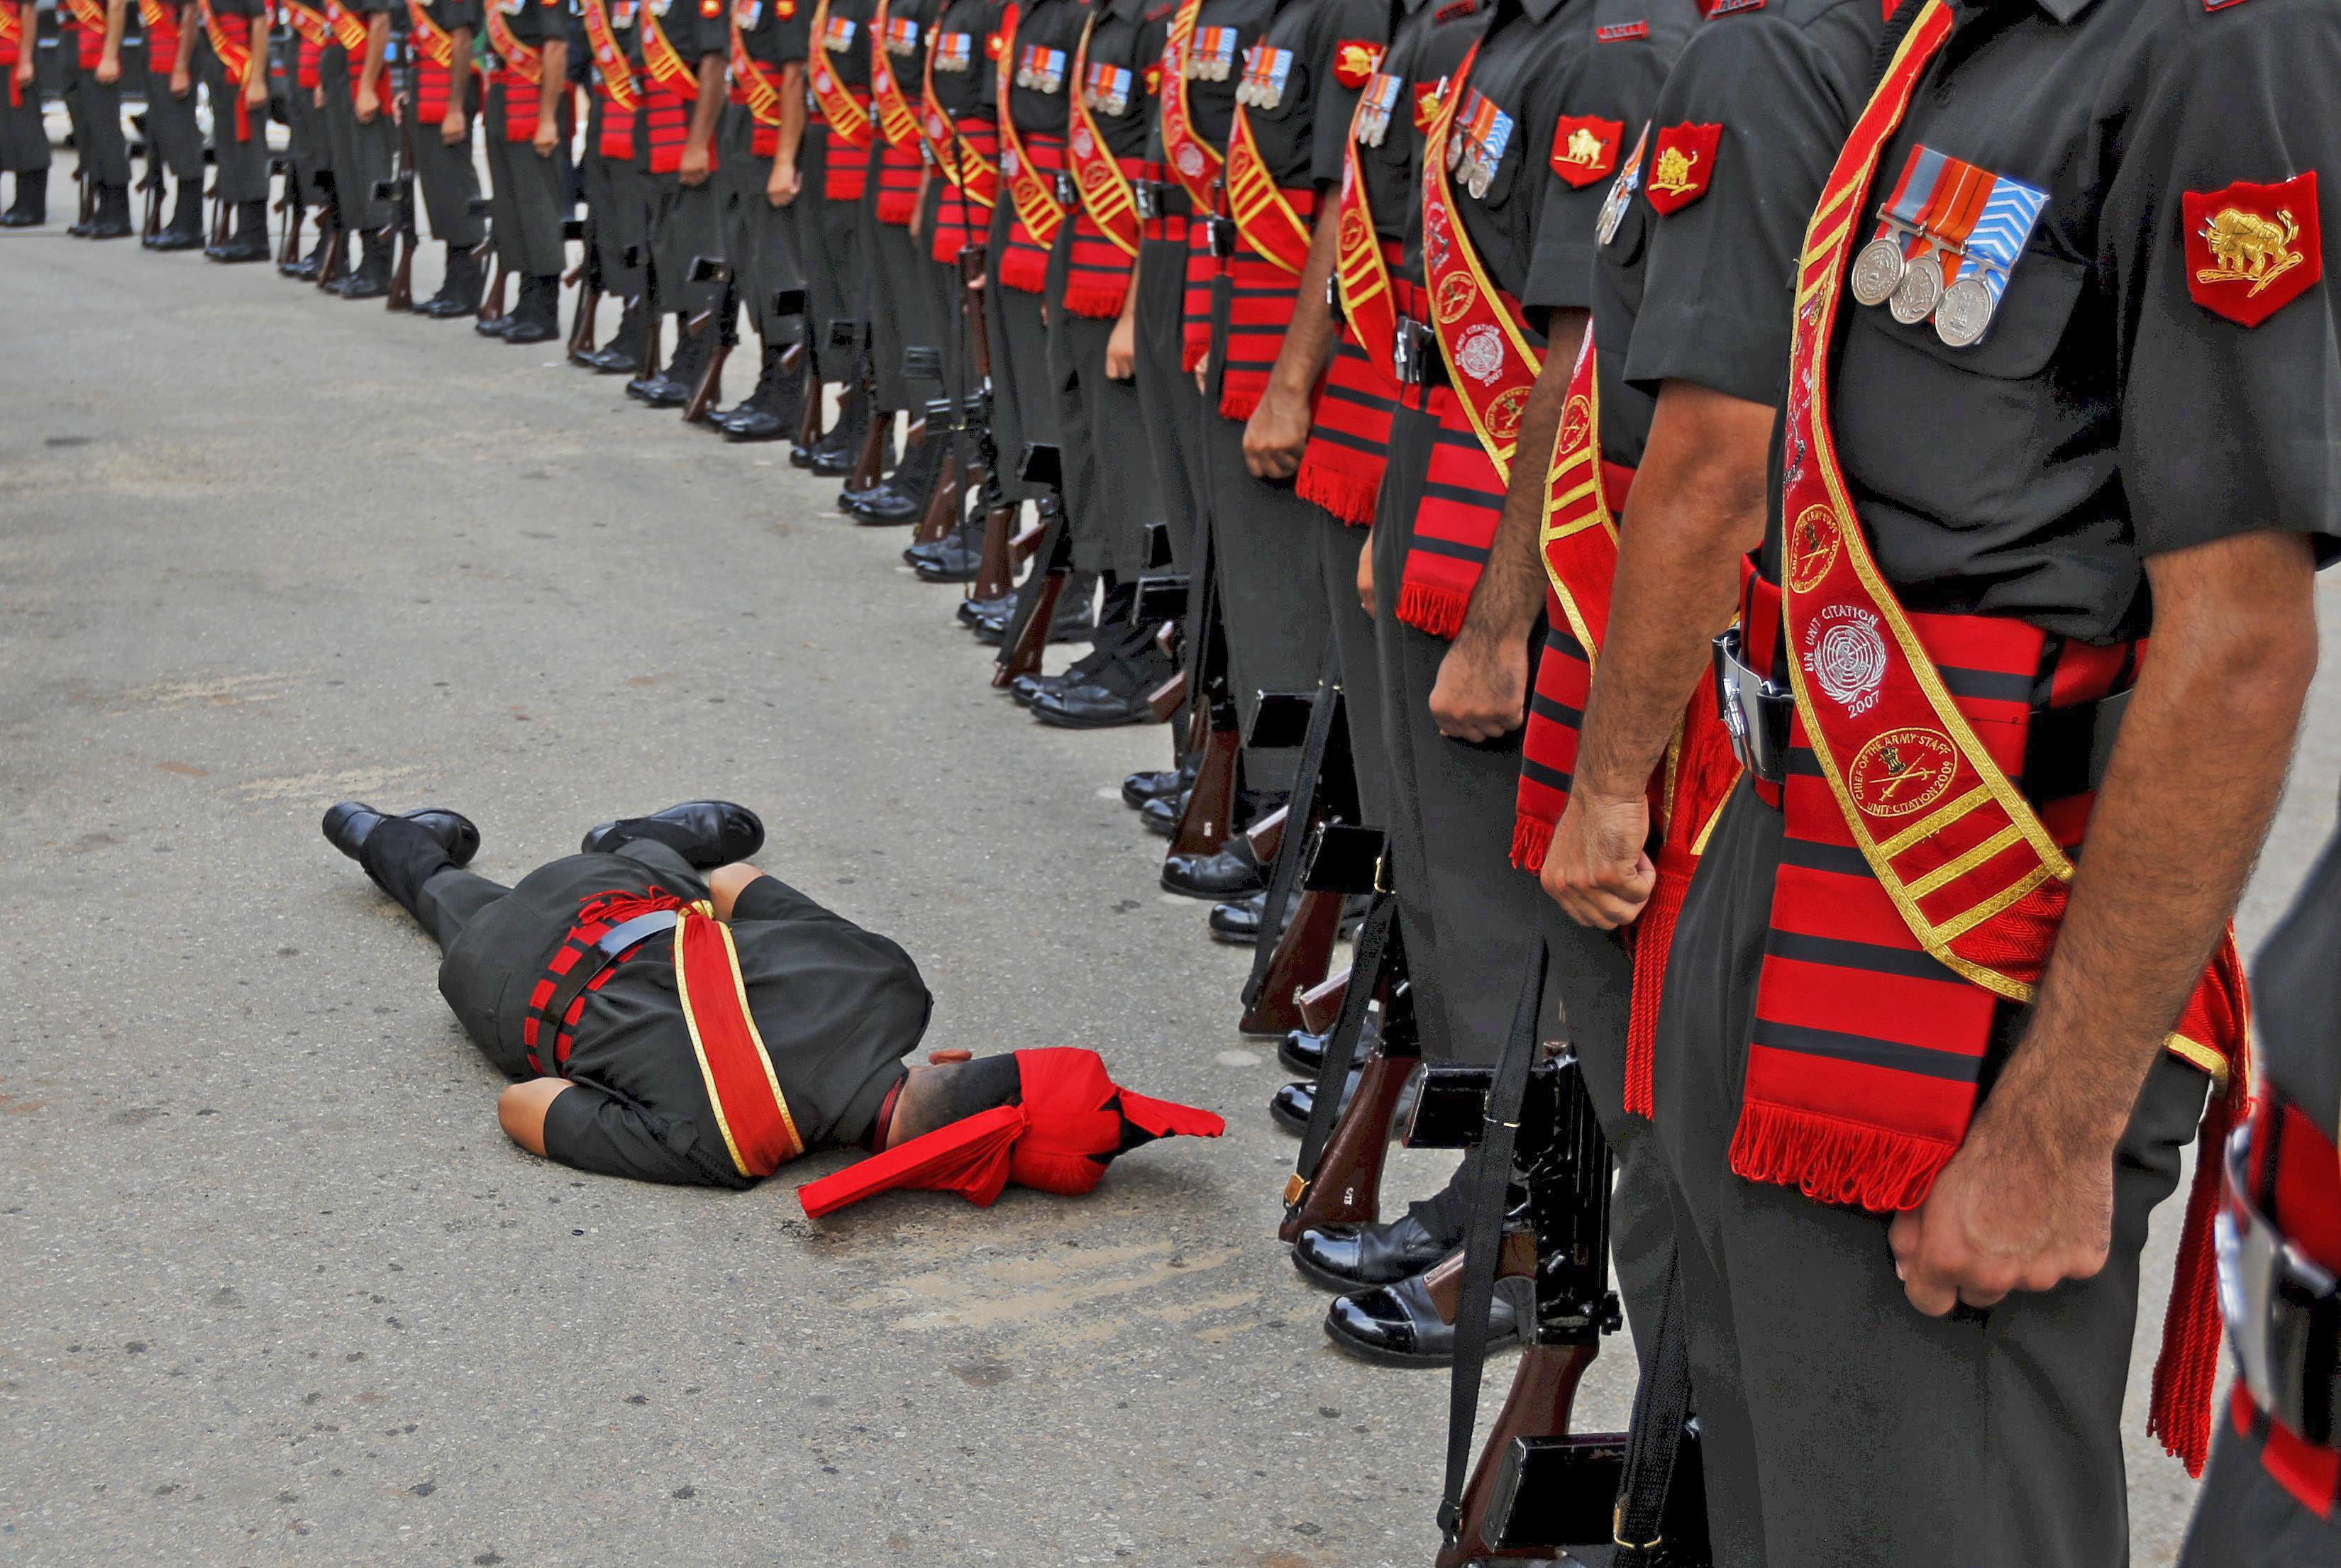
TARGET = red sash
(1959,879)
(162,23)
(613,75)
(674,94)
(896,120)
(1029,171)
(1264,295)
(231,40)
(519,72)
(433,65)
(1194,162)
(87,17)
(963,214)
(314,32)
(845,112)
(1349,437)
(12,33)
(1267,219)
(1105,226)
(1490,366)
(1362,267)
(348,28)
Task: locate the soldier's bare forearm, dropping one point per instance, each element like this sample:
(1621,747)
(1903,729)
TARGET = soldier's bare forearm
(709,107)
(2179,820)
(459,78)
(189,24)
(792,115)
(377,45)
(1510,590)
(1697,507)
(1308,340)
(552,85)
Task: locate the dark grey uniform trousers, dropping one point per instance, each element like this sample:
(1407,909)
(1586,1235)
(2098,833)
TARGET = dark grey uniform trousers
(95,111)
(361,154)
(619,195)
(1451,803)
(450,183)
(901,312)
(171,128)
(1022,409)
(529,194)
(23,145)
(242,166)
(2243,1519)
(1877,1436)
(1103,432)
(1167,398)
(305,138)
(759,239)
(1338,545)
(826,247)
(686,221)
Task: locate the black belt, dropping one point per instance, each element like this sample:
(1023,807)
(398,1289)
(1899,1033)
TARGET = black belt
(1068,193)
(614,944)
(1415,359)
(1160,199)
(2066,749)
(2282,1312)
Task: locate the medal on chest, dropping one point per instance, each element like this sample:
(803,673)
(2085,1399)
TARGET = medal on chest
(748,13)
(954,52)
(1621,191)
(1375,105)
(902,35)
(1476,147)
(1039,69)
(622,15)
(1213,55)
(1108,90)
(1947,239)
(838,36)
(1266,71)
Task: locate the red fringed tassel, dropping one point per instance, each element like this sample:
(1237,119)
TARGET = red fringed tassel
(1427,608)
(1348,496)
(1099,302)
(1654,935)
(2188,1365)
(1237,402)
(1531,838)
(1849,1164)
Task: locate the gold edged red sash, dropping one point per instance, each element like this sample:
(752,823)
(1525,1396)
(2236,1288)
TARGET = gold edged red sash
(1105,189)
(896,120)
(524,61)
(1361,269)
(307,21)
(88,14)
(1263,216)
(970,173)
(436,45)
(610,60)
(235,58)
(750,1109)
(349,29)
(847,120)
(1579,537)
(1490,363)
(758,85)
(1037,207)
(1976,875)
(666,66)
(1194,162)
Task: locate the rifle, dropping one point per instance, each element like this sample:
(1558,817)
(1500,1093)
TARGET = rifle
(1540,1491)
(1212,736)
(852,333)
(588,275)
(335,232)
(1337,1176)
(978,449)
(945,501)
(399,189)
(707,390)
(150,222)
(492,303)
(1027,632)
(295,208)
(1297,935)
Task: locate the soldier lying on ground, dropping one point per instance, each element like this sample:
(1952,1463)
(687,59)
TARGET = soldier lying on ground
(672,1013)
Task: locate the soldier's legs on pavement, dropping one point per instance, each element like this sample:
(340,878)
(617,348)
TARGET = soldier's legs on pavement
(1167,398)
(1024,411)
(173,130)
(1987,1436)
(1103,434)
(1338,545)
(450,182)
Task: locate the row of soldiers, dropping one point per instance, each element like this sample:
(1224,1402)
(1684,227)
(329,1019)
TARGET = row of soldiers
(1409,394)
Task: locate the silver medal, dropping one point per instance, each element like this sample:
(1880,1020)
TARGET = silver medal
(1964,314)
(1477,184)
(1921,289)
(1877,271)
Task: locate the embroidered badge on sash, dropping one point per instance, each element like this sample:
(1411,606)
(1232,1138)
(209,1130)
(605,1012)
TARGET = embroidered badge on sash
(2252,250)
(1265,72)
(1108,90)
(1212,57)
(1375,107)
(1585,147)
(1682,166)
(1355,60)
(1725,7)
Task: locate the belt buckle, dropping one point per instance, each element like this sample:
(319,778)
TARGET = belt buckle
(1066,193)
(1741,694)
(1224,237)
(1406,353)
(1143,199)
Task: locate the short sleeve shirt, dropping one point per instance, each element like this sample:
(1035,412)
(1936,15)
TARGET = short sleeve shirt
(1040,80)
(2119,405)
(1701,292)
(1125,50)
(774,31)
(846,40)
(961,58)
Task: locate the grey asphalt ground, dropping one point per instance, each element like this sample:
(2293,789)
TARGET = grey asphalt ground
(276,1289)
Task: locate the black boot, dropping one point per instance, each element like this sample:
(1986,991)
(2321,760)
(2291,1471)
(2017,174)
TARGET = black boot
(460,291)
(1075,620)
(672,388)
(85,209)
(249,242)
(111,221)
(1398,1325)
(30,210)
(184,232)
(538,318)
(623,354)
(495,326)
(370,279)
(954,557)
(306,269)
(771,412)
(834,452)
(707,833)
(902,498)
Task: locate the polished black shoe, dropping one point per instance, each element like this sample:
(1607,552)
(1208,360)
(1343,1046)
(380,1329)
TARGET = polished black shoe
(1231,873)
(673,388)
(1290,1105)
(111,221)
(537,318)
(1236,923)
(834,453)
(1301,1052)
(306,269)
(184,232)
(1074,622)
(1161,815)
(30,210)
(1139,789)
(249,242)
(1397,1325)
(904,496)
(1355,1258)
(773,411)
(347,825)
(623,354)
(370,279)
(707,833)
(495,326)
(956,557)
(1029,689)
(1107,704)
(459,291)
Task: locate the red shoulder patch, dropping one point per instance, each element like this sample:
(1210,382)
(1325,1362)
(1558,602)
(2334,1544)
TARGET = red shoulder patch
(1446,13)
(1682,165)
(2252,250)
(2220,5)
(1354,60)
(1585,147)
(1619,32)
(1725,7)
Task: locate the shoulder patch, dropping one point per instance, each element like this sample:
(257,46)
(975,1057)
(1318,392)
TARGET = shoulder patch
(2252,250)
(1449,13)
(1584,148)
(1725,7)
(2221,4)
(1354,60)
(1684,164)
(1619,32)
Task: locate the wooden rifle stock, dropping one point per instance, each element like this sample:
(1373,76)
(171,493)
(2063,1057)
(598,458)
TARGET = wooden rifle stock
(1543,1392)
(1304,952)
(994,574)
(492,305)
(1165,700)
(150,222)
(1443,1281)
(1321,1004)
(707,390)
(1023,656)
(296,212)
(945,503)
(580,330)
(1208,821)
(1348,1187)
(870,462)
(336,251)
(402,276)
(1266,836)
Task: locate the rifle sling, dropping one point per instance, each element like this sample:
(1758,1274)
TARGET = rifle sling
(1299,813)
(1341,1051)
(1654,1439)
(1482,1241)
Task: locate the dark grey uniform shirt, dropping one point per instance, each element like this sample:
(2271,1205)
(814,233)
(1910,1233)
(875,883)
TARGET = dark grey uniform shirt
(963,33)
(2107,416)
(1299,136)
(771,38)
(1042,109)
(1429,39)
(1129,37)
(1703,294)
